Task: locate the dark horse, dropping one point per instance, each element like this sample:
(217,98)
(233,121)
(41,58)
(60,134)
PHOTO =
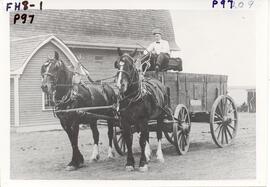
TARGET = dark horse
(141,100)
(57,81)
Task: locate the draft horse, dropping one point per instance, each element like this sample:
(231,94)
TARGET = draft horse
(57,81)
(140,101)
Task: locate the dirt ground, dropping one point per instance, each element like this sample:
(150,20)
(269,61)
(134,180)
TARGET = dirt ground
(44,155)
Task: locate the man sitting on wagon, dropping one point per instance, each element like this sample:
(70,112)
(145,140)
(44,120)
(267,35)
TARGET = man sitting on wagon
(160,52)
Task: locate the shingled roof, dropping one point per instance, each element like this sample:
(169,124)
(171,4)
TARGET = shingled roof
(99,28)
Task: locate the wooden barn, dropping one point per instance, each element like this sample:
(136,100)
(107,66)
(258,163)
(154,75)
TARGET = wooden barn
(87,36)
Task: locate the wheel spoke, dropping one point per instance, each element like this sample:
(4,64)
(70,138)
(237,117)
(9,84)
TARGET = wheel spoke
(183,142)
(219,110)
(231,127)
(180,141)
(120,138)
(217,122)
(219,132)
(225,133)
(222,135)
(219,125)
(185,117)
(229,132)
(219,116)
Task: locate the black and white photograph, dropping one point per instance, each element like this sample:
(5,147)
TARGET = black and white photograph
(156,93)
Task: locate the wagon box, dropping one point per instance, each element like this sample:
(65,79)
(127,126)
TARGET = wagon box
(197,91)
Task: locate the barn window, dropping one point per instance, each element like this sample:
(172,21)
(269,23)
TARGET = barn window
(47,102)
(99,59)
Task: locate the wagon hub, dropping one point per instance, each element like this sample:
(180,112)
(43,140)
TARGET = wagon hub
(185,127)
(227,120)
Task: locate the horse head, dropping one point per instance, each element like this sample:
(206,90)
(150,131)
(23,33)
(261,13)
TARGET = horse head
(53,73)
(126,74)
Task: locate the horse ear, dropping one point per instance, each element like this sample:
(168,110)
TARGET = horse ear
(120,53)
(133,53)
(56,55)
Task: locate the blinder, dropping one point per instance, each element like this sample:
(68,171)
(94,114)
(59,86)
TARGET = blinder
(47,73)
(129,75)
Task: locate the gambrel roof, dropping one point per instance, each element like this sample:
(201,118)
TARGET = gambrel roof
(98,28)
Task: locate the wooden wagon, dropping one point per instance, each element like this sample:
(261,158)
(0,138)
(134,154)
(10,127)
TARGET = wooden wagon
(193,98)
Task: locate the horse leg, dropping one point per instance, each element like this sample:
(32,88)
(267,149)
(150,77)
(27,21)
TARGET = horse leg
(143,139)
(127,137)
(95,154)
(159,137)
(110,136)
(72,131)
(147,150)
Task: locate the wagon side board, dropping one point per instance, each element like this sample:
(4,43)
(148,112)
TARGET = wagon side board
(196,91)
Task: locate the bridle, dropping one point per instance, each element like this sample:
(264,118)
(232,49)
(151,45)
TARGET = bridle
(131,76)
(65,98)
(55,75)
(47,73)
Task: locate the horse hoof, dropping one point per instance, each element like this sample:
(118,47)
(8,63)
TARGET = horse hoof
(95,159)
(111,153)
(148,158)
(144,168)
(81,165)
(71,168)
(111,156)
(129,168)
(160,159)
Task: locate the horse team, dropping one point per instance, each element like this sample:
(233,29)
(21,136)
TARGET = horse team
(138,102)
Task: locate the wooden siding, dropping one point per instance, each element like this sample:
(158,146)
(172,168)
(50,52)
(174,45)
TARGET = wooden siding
(12,116)
(97,70)
(30,94)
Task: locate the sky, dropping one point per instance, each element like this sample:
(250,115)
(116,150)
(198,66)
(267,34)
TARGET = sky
(217,42)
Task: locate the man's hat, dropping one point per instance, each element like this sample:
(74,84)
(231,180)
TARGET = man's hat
(156,31)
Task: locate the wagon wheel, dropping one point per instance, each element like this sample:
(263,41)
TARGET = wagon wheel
(223,121)
(169,134)
(119,142)
(181,129)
